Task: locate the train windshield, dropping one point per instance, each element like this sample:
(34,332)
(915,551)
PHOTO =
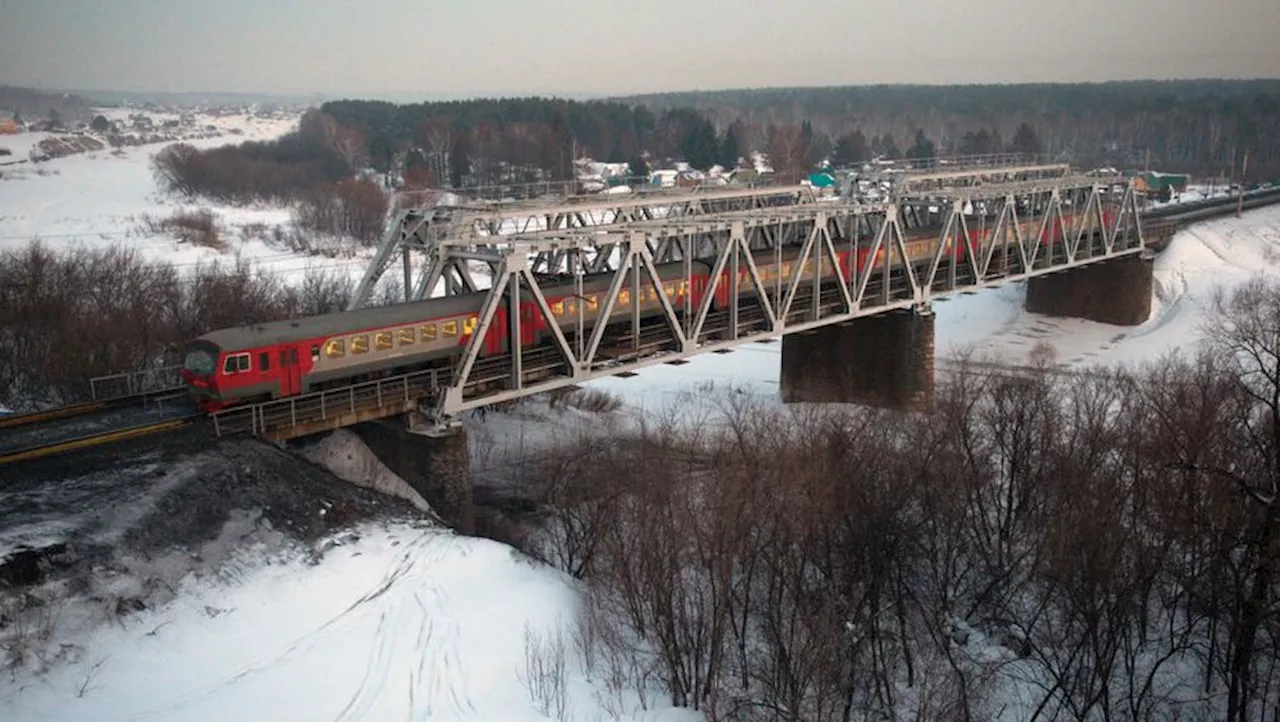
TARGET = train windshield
(199,362)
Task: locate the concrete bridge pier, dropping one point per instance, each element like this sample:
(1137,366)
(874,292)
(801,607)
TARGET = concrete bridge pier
(435,462)
(1117,292)
(884,360)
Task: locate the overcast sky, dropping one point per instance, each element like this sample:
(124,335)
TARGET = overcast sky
(608,47)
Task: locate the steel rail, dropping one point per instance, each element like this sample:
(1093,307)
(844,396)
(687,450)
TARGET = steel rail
(37,451)
(85,408)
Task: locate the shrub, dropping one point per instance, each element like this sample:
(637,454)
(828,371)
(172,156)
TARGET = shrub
(349,208)
(198,227)
(280,170)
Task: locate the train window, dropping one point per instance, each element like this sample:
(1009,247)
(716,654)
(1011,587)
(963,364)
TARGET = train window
(315,353)
(382,340)
(293,356)
(624,297)
(359,344)
(469,324)
(229,366)
(284,358)
(592,301)
(429,332)
(335,348)
(557,308)
(264,361)
(406,336)
(449,328)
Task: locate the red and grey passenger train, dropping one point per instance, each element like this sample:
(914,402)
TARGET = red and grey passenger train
(287,358)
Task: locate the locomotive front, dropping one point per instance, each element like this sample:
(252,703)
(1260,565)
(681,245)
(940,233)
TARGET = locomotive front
(199,373)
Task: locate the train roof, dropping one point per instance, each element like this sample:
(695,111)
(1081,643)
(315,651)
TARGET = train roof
(335,324)
(345,322)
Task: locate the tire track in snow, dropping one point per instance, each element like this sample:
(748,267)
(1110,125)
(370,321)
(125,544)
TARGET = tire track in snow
(440,671)
(417,629)
(376,674)
(396,618)
(298,646)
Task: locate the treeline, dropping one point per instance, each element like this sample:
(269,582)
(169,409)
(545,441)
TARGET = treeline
(68,317)
(525,140)
(1095,547)
(313,168)
(278,170)
(1198,126)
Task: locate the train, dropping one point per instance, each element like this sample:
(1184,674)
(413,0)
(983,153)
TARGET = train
(251,364)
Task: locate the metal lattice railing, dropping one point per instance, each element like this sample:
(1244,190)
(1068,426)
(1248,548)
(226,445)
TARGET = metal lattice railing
(260,419)
(131,383)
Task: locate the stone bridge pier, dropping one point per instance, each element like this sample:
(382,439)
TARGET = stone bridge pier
(436,463)
(1117,292)
(884,360)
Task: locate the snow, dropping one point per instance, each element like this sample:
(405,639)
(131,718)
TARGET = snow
(1192,194)
(396,622)
(1200,260)
(347,458)
(102,198)
(405,621)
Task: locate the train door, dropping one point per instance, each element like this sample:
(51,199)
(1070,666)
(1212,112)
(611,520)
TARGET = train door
(290,372)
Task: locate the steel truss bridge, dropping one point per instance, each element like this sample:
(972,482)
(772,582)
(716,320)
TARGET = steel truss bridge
(998,215)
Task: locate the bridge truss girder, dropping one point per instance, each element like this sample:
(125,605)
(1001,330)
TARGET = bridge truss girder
(413,234)
(1009,241)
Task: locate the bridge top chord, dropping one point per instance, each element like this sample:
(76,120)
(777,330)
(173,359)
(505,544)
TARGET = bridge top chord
(912,177)
(447,237)
(683,225)
(1014,188)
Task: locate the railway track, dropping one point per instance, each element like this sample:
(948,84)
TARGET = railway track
(1163,221)
(79,426)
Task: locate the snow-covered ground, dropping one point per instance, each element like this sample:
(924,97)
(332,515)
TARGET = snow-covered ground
(397,622)
(103,198)
(402,621)
(406,621)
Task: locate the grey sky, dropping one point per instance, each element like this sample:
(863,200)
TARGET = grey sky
(616,47)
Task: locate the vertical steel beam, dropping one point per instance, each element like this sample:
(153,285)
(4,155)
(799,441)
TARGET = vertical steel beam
(517,341)
(735,240)
(408,275)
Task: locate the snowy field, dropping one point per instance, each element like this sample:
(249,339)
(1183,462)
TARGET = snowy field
(405,621)
(396,623)
(103,197)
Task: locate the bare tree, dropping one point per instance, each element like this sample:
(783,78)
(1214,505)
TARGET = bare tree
(1242,330)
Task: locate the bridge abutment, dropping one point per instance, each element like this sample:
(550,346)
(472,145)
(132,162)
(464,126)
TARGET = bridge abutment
(1117,292)
(884,361)
(436,463)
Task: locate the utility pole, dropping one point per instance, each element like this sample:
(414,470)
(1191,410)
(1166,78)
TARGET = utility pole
(1240,193)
